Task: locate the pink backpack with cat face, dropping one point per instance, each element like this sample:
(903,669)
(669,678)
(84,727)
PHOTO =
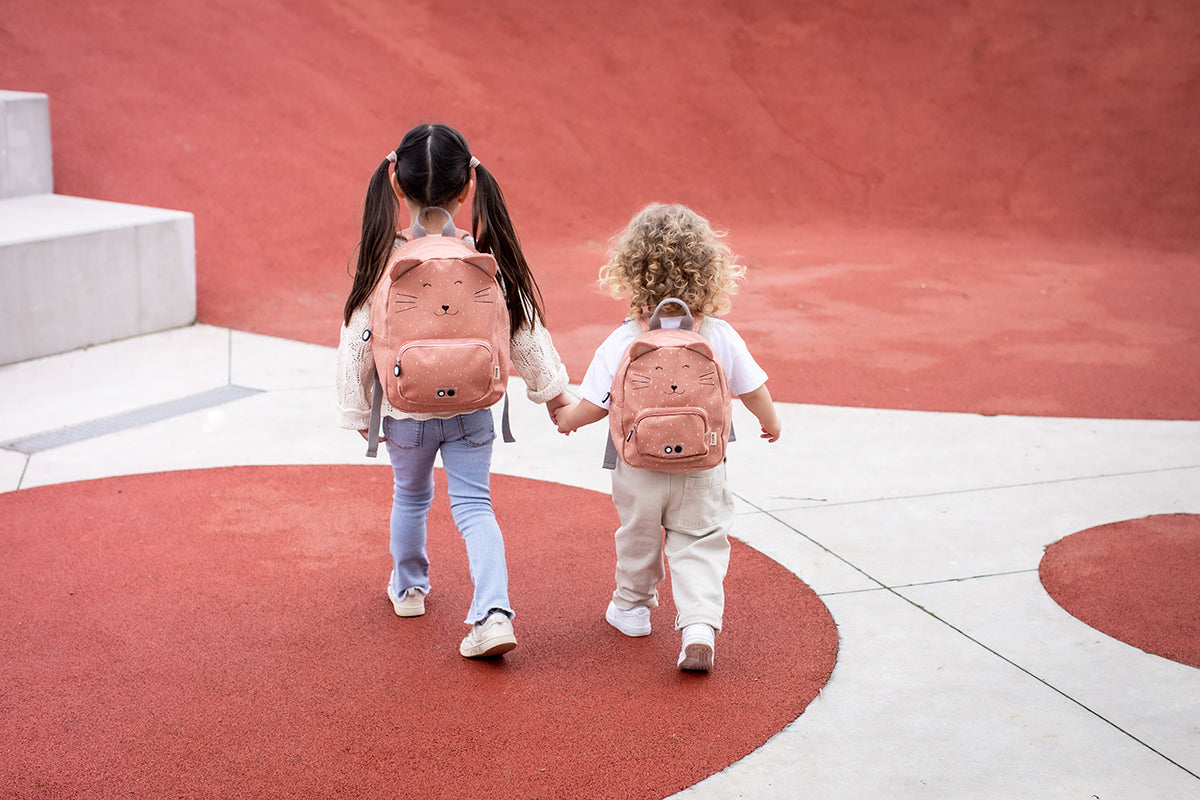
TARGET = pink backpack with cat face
(439,328)
(670,408)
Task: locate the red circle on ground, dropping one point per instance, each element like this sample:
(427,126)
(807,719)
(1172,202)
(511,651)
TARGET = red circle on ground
(1135,581)
(225,632)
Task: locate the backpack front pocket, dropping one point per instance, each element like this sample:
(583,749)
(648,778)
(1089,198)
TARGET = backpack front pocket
(445,374)
(670,434)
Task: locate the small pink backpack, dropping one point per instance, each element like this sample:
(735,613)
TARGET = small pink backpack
(670,408)
(439,328)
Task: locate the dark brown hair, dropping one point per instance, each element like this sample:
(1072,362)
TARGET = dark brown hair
(433,167)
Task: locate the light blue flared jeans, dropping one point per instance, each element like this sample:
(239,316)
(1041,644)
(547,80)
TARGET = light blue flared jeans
(465,443)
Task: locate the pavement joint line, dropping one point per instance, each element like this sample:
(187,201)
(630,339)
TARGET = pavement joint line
(71,434)
(878,583)
(1045,683)
(996,488)
(895,591)
(931,583)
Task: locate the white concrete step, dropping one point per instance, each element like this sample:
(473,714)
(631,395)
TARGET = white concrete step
(76,272)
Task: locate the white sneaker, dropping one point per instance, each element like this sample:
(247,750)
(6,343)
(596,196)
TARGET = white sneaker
(634,622)
(412,604)
(492,637)
(698,643)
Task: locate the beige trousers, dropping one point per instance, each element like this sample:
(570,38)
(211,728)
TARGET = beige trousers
(696,511)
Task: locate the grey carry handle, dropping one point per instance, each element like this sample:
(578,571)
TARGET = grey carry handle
(448,229)
(685,324)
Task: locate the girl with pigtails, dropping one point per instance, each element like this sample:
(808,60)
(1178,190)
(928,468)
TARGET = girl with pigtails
(431,175)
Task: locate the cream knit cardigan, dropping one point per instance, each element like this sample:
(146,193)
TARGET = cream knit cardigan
(531,349)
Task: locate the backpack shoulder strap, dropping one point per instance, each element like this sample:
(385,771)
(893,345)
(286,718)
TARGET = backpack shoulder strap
(704,328)
(637,326)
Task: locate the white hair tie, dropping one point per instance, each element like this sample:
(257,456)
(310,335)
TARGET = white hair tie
(474,162)
(391,157)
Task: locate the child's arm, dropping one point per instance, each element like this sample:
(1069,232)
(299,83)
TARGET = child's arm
(574,416)
(763,408)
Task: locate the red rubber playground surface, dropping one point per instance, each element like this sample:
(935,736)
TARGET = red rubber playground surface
(989,208)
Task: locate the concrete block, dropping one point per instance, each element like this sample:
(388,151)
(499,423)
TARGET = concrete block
(26,161)
(76,272)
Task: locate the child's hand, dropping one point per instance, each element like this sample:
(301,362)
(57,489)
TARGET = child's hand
(563,418)
(367,436)
(554,404)
(760,405)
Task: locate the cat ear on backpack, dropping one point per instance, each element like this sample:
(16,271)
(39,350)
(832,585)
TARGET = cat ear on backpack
(704,349)
(484,261)
(640,348)
(402,265)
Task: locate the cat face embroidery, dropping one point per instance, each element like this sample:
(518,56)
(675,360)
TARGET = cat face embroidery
(673,374)
(441,295)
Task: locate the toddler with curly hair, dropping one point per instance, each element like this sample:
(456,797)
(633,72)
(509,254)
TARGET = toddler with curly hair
(669,251)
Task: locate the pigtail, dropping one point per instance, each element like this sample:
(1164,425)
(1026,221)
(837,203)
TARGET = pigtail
(433,167)
(494,233)
(378,236)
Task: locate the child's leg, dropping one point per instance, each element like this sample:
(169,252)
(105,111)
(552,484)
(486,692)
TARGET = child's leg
(698,519)
(639,495)
(412,468)
(467,457)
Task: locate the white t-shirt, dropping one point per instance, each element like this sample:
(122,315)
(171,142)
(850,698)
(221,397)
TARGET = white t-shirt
(741,370)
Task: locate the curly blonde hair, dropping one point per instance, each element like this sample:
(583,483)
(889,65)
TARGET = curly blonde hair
(671,251)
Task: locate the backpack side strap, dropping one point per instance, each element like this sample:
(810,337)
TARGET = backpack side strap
(377,414)
(705,330)
(610,453)
(373,425)
(505,427)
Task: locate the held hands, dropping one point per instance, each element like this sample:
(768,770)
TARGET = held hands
(573,416)
(563,417)
(555,408)
(554,404)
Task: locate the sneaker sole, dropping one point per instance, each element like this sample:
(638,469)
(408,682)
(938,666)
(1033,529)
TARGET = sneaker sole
(400,610)
(696,658)
(495,647)
(628,631)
